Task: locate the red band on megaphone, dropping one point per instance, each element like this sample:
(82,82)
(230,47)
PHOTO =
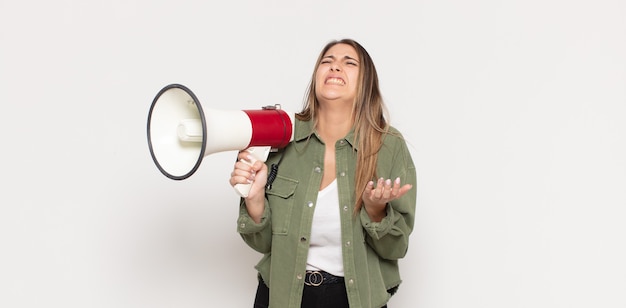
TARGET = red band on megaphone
(270,127)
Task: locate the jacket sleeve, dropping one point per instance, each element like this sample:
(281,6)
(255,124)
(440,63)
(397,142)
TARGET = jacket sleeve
(390,237)
(257,235)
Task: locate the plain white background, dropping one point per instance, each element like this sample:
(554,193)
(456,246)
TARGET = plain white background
(514,111)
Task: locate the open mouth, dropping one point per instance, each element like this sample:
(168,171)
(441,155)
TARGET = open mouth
(336,81)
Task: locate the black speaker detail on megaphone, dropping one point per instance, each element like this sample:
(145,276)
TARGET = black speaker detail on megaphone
(181,133)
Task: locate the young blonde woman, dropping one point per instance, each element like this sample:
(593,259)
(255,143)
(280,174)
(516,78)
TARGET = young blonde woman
(338,215)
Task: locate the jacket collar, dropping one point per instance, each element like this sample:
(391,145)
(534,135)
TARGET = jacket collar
(305,129)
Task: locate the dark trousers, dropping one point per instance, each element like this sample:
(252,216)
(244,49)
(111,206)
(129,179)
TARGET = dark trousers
(323,296)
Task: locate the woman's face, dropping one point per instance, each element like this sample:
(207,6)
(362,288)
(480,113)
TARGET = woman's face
(337,75)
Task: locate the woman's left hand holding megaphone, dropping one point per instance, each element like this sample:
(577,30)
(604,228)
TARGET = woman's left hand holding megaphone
(249,170)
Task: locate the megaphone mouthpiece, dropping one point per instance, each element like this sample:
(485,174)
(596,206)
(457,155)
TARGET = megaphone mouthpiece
(190,130)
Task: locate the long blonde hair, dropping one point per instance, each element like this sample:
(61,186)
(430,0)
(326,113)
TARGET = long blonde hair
(369,113)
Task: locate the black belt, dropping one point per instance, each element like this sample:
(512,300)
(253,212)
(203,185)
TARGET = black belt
(318,278)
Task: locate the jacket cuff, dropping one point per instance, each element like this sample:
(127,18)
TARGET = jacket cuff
(377,230)
(245,224)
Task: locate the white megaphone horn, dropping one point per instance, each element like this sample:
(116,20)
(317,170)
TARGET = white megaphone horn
(181,134)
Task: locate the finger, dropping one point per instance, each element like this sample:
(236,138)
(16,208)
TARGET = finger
(378,192)
(387,189)
(243,174)
(403,190)
(241,177)
(257,165)
(396,188)
(247,163)
(367,192)
(234,180)
(242,168)
(243,155)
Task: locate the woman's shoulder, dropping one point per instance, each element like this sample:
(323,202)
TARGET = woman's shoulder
(395,149)
(393,129)
(394,134)
(394,139)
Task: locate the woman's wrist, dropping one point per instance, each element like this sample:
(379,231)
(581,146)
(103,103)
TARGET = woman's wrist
(255,208)
(377,212)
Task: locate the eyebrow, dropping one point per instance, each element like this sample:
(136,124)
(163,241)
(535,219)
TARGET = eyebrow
(345,57)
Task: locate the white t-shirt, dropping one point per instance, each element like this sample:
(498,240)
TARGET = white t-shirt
(325,243)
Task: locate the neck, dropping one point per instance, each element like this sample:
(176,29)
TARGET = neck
(334,123)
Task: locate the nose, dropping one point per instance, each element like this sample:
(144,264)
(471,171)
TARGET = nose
(335,67)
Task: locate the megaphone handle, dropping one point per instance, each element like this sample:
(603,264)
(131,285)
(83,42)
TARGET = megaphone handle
(242,189)
(257,153)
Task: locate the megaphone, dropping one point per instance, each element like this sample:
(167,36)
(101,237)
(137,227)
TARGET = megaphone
(181,133)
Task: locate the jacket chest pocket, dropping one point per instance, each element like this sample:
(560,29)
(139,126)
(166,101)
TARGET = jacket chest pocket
(281,202)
